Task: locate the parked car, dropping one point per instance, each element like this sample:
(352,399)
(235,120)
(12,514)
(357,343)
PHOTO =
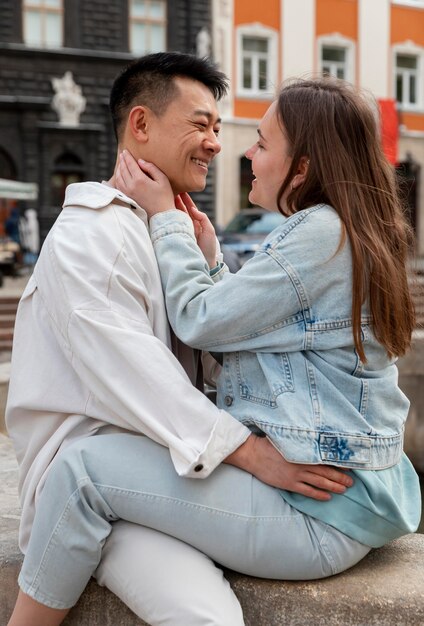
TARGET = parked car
(246,231)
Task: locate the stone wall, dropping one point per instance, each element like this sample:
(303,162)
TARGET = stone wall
(411,381)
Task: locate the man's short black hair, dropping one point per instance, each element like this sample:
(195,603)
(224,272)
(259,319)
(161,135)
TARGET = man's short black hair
(149,81)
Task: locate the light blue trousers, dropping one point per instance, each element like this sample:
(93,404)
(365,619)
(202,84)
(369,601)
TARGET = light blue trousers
(231,516)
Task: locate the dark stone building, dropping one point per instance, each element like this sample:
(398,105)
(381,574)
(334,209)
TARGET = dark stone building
(95,45)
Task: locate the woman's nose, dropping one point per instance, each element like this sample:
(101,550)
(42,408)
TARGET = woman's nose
(249,153)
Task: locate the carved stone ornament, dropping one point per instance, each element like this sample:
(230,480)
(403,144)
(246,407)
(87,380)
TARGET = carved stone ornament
(203,43)
(68,101)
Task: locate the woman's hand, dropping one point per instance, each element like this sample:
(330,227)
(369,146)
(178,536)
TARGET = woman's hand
(144,183)
(258,456)
(203,229)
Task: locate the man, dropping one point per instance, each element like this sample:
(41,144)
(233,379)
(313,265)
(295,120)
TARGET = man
(92,351)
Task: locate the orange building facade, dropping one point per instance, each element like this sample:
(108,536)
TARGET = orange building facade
(375,44)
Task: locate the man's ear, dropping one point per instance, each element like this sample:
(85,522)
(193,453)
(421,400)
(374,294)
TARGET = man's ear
(138,123)
(302,170)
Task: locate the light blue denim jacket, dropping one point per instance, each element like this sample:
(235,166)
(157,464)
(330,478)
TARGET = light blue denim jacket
(283,322)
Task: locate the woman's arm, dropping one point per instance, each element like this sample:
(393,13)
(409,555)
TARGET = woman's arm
(256,455)
(243,311)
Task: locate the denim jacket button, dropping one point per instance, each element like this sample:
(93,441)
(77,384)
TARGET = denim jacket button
(198,468)
(228,400)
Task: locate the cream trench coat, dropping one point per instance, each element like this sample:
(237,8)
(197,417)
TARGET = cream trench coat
(91,349)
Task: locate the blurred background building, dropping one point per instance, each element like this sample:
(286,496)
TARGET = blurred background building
(375,44)
(58,59)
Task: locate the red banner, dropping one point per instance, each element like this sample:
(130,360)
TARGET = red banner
(389,129)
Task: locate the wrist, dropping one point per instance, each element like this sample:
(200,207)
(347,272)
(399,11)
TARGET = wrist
(242,456)
(163,209)
(151,213)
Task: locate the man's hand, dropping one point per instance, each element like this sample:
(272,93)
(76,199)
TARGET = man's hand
(258,456)
(145,183)
(203,229)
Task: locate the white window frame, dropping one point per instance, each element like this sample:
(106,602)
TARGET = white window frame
(147,21)
(336,40)
(411,49)
(418,4)
(43,10)
(259,31)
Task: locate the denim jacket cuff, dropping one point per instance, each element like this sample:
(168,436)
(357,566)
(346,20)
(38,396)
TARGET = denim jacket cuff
(218,272)
(169,223)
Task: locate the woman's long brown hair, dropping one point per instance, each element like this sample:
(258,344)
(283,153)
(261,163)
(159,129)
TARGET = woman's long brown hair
(335,127)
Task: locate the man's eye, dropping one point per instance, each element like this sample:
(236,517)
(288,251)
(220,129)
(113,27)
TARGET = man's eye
(217,131)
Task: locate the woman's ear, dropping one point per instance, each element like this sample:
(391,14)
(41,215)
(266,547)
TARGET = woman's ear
(302,170)
(138,123)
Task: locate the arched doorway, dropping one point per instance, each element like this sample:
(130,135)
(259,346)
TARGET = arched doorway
(68,168)
(409,172)
(7,166)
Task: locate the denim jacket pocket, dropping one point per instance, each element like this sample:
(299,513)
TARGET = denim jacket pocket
(262,377)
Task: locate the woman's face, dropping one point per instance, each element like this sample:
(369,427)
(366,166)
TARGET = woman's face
(270,161)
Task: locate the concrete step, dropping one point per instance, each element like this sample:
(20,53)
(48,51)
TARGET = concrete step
(8,309)
(386,588)
(6,334)
(8,299)
(7,321)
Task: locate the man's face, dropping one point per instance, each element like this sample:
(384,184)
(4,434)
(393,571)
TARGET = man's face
(183,141)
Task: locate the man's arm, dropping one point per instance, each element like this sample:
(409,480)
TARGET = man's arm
(259,457)
(103,293)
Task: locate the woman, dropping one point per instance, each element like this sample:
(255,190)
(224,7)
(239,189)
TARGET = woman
(309,330)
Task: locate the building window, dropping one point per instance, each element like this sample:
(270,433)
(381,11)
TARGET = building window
(336,56)
(257,53)
(407,67)
(147,26)
(333,62)
(43,23)
(255,63)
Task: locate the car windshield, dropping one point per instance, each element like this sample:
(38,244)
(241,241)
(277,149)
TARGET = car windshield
(254,223)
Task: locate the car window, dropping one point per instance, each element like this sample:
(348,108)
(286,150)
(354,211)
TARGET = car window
(265,224)
(254,223)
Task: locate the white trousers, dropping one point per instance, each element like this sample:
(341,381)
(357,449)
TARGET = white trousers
(165,581)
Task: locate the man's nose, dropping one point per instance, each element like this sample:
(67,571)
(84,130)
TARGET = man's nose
(213,144)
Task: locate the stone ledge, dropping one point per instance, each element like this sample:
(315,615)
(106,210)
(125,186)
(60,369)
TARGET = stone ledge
(385,588)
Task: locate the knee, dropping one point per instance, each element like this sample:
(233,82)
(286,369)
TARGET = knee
(68,468)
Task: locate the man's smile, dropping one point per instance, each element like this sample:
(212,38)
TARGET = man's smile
(200,162)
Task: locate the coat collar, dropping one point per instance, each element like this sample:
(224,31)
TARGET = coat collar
(95,195)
